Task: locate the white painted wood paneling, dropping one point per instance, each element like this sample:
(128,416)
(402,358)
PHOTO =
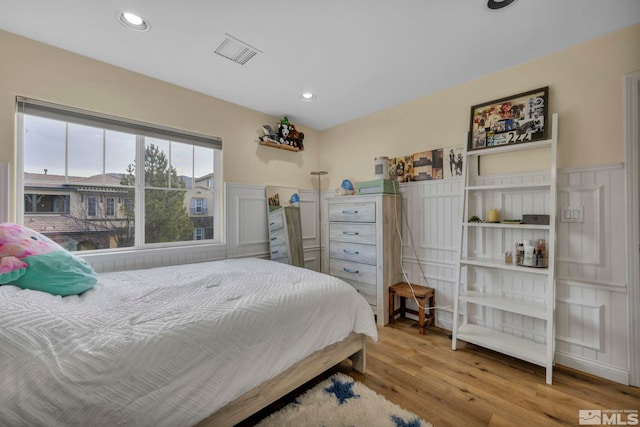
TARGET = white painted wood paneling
(632,167)
(246,220)
(431,211)
(310,228)
(246,223)
(592,293)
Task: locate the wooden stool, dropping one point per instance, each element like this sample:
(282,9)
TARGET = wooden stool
(422,295)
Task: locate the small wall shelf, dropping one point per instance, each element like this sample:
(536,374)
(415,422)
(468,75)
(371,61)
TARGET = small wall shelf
(280,146)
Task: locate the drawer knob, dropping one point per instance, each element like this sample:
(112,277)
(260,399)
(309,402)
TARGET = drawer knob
(351,212)
(275,252)
(273,238)
(350,233)
(350,251)
(348,270)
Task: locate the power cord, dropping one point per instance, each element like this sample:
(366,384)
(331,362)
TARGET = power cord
(415,252)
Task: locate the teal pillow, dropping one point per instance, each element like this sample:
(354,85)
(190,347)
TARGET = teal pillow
(31,260)
(11,268)
(58,273)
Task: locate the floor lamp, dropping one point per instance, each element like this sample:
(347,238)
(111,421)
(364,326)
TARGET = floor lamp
(319,174)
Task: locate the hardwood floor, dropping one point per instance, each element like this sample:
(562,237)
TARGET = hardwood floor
(474,386)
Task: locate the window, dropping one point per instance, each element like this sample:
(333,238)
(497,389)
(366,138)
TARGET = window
(198,206)
(118,183)
(92,206)
(111,206)
(45,203)
(199,233)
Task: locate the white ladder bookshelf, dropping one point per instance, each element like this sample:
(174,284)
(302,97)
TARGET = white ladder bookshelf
(498,305)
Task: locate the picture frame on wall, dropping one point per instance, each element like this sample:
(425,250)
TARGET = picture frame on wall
(454,160)
(514,119)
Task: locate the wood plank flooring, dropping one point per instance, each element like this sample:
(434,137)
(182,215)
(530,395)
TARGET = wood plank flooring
(473,386)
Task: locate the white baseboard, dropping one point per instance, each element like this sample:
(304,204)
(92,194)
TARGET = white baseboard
(609,372)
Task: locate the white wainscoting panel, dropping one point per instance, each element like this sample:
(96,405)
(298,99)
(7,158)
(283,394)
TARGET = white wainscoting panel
(591,288)
(581,242)
(591,303)
(310,228)
(246,220)
(430,226)
(589,317)
(246,223)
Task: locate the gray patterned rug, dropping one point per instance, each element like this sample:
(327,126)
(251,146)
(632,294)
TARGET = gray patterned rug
(341,401)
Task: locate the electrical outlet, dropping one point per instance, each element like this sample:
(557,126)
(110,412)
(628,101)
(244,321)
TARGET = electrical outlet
(572,214)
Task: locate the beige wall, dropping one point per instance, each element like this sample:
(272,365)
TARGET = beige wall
(586,90)
(36,70)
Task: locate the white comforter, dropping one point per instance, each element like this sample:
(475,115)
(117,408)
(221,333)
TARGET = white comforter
(164,346)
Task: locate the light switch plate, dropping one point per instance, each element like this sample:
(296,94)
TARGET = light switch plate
(572,214)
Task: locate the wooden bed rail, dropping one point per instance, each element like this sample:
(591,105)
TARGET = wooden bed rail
(353,347)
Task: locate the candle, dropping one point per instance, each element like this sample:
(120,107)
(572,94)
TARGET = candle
(493,215)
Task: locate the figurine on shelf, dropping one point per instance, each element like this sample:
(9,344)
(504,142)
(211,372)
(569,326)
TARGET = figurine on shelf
(295,137)
(287,134)
(346,188)
(269,134)
(283,131)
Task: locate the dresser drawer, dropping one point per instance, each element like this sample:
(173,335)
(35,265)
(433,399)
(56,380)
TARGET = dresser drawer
(366,290)
(276,220)
(364,273)
(352,233)
(277,238)
(350,211)
(355,252)
(279,251)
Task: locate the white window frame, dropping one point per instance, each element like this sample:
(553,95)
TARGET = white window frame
(140,129)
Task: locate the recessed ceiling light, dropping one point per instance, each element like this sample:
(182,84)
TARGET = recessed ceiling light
(307,96)
(133,21)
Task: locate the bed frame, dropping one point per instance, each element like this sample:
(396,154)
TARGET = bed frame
(353,347)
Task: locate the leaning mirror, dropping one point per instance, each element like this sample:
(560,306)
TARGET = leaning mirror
(285,228)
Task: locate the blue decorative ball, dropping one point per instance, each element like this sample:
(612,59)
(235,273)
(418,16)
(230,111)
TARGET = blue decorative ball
(347,185)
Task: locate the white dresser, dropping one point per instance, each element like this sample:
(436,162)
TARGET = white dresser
(364,246)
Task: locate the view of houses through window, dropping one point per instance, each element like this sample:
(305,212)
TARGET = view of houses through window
(82,186)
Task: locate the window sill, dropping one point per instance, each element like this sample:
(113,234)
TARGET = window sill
(106,261)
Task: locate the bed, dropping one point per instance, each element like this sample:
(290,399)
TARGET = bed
(206,343)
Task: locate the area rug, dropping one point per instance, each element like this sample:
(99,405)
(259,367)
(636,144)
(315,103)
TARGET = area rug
(341,401)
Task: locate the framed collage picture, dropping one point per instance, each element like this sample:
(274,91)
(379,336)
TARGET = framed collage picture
(512,120)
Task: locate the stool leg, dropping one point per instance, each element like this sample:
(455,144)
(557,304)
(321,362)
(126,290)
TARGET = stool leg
(421,316)
(392,316)
(432,313)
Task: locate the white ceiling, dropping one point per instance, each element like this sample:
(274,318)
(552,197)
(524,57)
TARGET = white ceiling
(358,56)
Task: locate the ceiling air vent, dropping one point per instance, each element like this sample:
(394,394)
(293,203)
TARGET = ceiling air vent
(236,50)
